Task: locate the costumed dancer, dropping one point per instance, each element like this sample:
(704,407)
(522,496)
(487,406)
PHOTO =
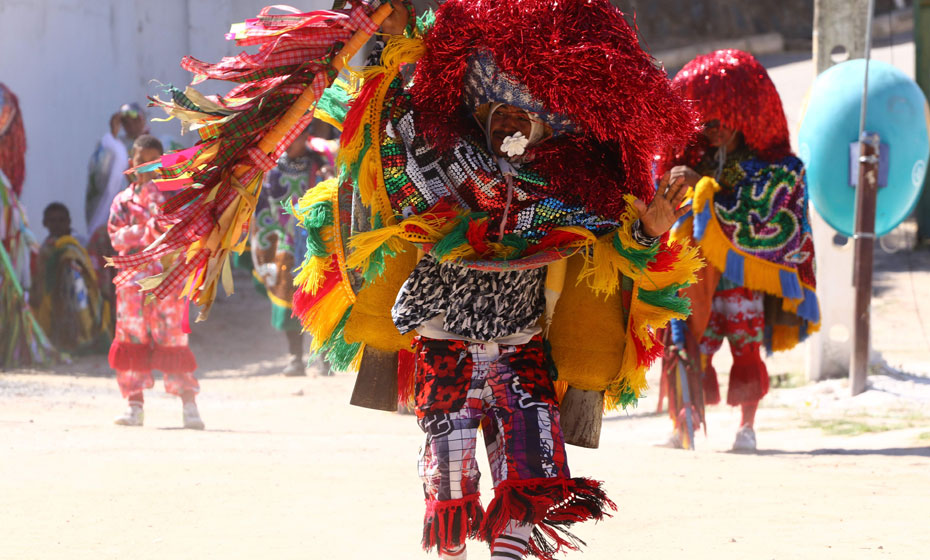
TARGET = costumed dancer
(65,292)
(278,245)
(498,163)
(519,161)
(749,216)
(149,334)
(22,340)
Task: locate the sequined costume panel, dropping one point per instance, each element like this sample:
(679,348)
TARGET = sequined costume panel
(418,175)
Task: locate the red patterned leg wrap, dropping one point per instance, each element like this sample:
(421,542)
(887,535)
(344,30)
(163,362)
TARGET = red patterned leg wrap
(711,385)
(448,523)
(749,379)
(552,505)
(126,356)
(173,359)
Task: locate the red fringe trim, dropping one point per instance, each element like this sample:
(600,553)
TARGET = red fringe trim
(552,505)
(173,359)
(406,375)
(448,523)
(126,356)
(711,385)
(749,379)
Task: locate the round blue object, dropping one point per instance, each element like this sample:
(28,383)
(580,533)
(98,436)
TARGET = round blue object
(897,111)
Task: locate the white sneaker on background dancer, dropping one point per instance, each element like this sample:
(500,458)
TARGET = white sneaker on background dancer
(192,419)
(133,416)
(745,439)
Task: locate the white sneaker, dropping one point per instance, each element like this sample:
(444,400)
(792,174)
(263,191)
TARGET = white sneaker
(295,368)
(192,419)
(319,368)
(745,439)
(673,441)
(132,417)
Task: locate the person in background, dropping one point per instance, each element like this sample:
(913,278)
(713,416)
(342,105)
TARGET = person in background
(749,216)
(278,245)
(105,179)
(65,292)
(149,335)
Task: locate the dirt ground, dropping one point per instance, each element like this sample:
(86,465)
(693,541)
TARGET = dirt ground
(287,469)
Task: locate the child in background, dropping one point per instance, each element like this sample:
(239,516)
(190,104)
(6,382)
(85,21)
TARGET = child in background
(66,286)
(148,335)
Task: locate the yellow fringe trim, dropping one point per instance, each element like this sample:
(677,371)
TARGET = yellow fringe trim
(323,318)
(311,273)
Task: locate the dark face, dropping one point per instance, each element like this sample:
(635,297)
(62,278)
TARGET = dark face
(58,222)
(134,124)
(507,120)
(718,135)
(299,146)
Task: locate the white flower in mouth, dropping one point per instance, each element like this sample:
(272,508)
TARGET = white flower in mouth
(515,144)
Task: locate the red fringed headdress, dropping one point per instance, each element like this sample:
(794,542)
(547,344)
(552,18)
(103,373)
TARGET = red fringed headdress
(732,87)
(12,140)
(577,59)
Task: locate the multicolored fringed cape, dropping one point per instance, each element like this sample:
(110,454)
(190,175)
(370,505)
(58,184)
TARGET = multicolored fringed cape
(403,193)
(22,340)
(753,226)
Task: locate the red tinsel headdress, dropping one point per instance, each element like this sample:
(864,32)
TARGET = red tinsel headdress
(12,140)
(581,62)
(732,87)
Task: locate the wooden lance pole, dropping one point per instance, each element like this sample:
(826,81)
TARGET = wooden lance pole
(864,232)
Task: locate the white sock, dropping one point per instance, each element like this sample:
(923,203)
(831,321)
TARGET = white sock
(512,544)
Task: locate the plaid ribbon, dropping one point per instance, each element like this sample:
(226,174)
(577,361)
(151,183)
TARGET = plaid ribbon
(287,63)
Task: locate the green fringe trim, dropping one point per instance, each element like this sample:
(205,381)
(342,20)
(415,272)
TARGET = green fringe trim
(667,298)
(338,352)
(518,243)
(639,258)
(617,397)
(425,22)
(335,100)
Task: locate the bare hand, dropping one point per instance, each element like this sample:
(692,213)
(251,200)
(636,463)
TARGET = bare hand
(690,176)
(396,23)
(664,210)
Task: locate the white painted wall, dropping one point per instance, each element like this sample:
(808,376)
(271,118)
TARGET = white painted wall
(72,63)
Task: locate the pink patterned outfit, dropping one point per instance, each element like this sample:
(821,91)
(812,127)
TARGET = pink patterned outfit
(148,335)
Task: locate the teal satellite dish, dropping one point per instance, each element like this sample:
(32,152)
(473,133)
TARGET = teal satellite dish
(897,111)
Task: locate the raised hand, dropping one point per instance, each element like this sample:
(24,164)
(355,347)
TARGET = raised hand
(665,209)
(396,23)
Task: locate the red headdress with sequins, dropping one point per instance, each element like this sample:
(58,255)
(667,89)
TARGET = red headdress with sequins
(576,62)
(733,87)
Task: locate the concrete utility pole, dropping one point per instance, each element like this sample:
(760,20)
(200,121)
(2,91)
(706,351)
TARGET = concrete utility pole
(839,27)
(922,73)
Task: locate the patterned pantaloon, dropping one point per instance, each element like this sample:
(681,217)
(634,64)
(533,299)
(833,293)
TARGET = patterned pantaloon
(738,315)
(507,392)
(150,336)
